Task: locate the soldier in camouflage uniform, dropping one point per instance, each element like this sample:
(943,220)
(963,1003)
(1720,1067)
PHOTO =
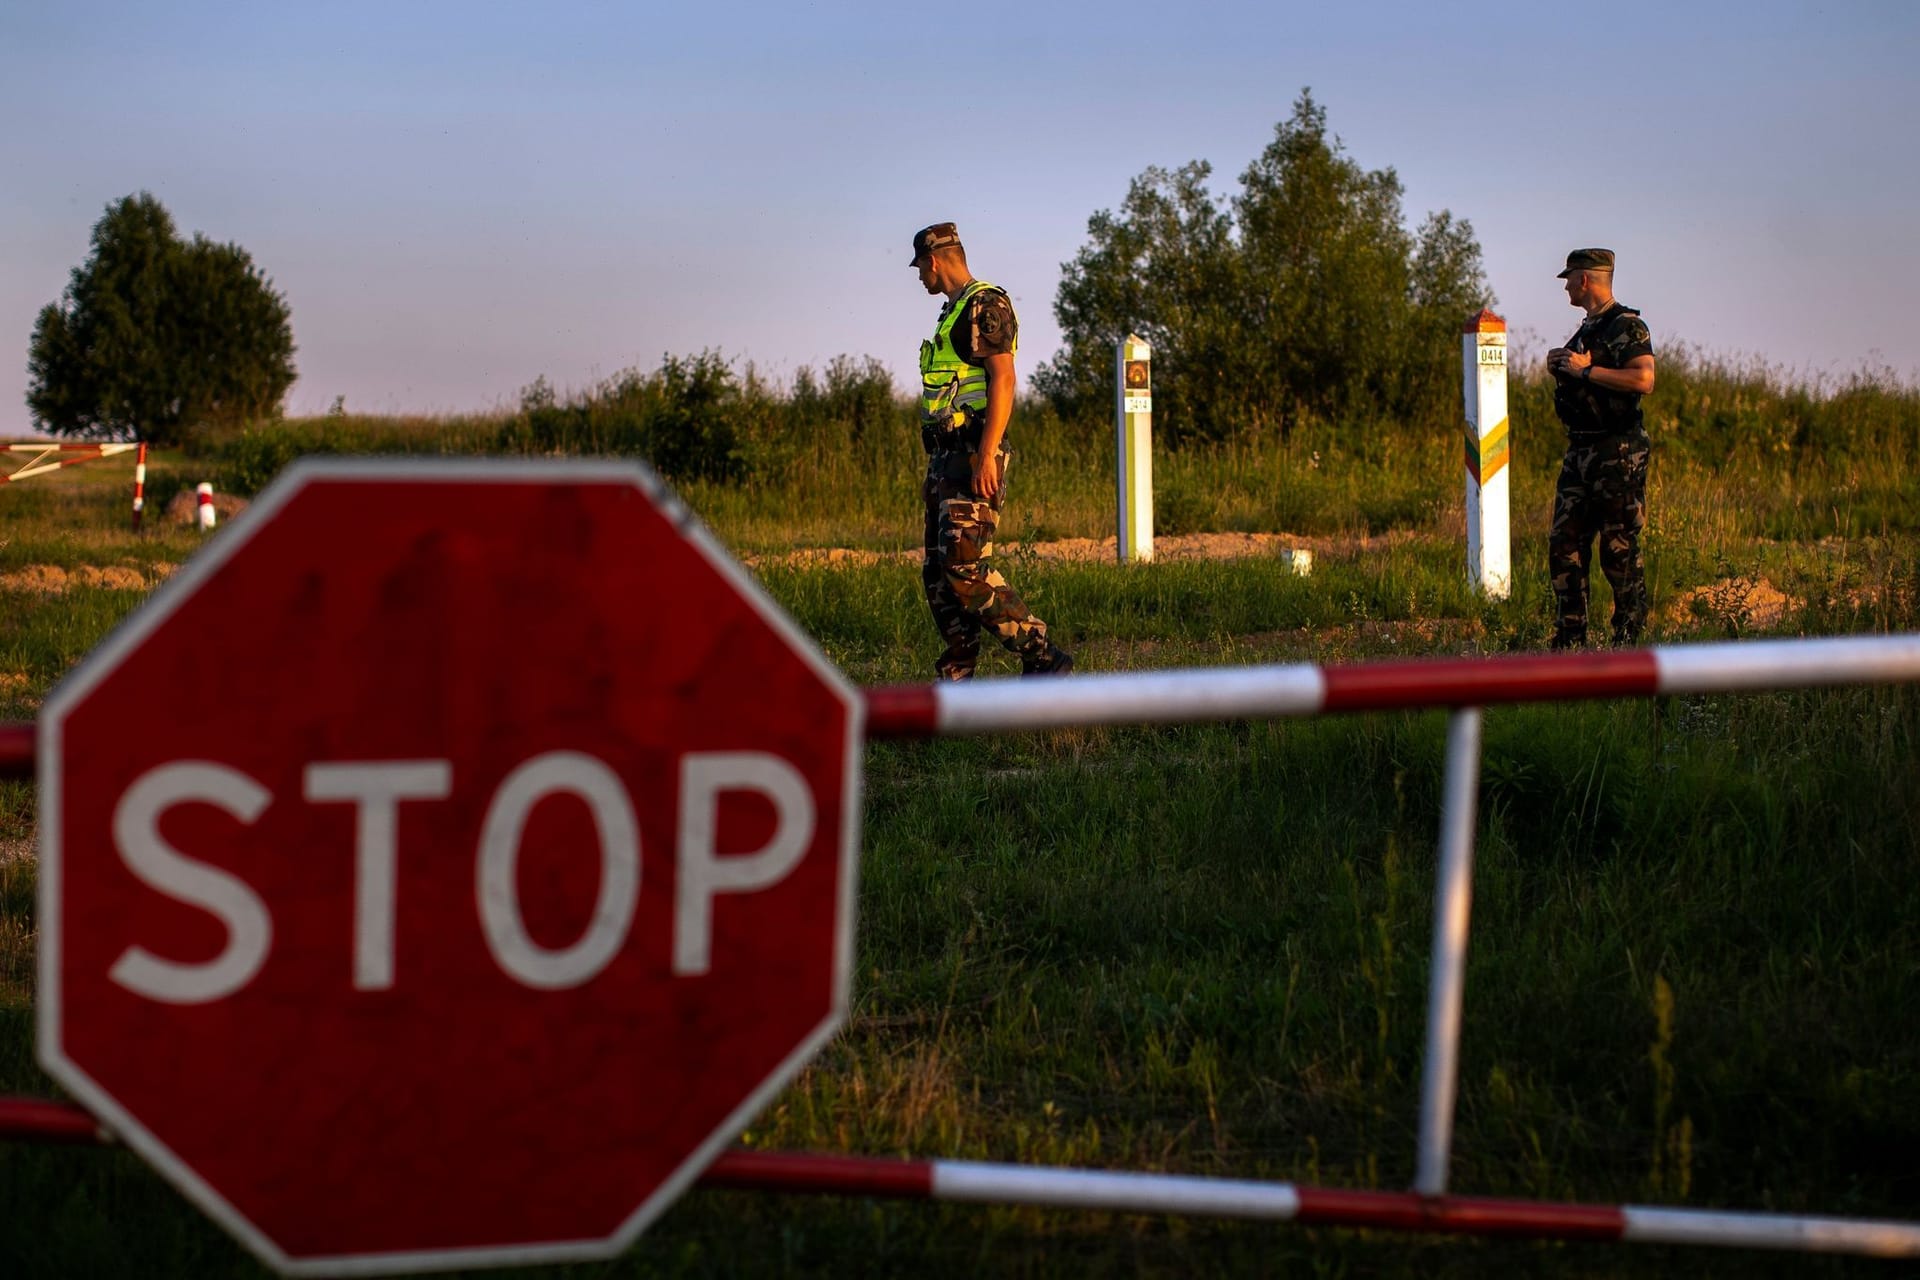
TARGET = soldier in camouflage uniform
(1598,379)
(966,400)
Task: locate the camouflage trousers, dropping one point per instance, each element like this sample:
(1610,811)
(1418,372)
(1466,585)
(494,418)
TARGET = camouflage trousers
(964,590)
(1602,491)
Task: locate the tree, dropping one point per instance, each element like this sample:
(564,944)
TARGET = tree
(1305,296)
(155,335)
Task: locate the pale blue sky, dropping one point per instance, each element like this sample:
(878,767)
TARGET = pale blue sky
(459,198)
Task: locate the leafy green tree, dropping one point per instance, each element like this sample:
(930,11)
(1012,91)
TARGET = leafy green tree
(156,335)
(1305,295)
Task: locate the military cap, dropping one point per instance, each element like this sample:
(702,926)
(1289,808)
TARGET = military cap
(1587,260)
(941,235)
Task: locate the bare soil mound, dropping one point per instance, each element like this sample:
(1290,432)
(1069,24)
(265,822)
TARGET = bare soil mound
(1740,602)
(185,507)
(42,579)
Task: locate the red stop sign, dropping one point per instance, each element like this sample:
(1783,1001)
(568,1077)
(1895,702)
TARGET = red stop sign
(446,864)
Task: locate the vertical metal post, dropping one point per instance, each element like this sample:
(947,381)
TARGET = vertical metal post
(1452,903)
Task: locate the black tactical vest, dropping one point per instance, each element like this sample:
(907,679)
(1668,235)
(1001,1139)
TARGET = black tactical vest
(1590,412)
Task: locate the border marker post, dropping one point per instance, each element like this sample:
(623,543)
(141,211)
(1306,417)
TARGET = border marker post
(139,485)
(1483,354)
(203,498)
(1133,453)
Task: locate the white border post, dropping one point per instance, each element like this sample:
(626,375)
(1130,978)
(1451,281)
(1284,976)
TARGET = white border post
(1483,357)
(1133,451)
(1446,990)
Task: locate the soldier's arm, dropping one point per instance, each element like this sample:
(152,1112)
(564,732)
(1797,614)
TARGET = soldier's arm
(986,463)
(1635,377)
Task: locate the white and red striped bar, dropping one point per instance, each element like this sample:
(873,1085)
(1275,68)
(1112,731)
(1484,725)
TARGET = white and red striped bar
(42,1120)
(1308,689)
(1092,1189)
(63,455)
(1097,1190)
(16,748)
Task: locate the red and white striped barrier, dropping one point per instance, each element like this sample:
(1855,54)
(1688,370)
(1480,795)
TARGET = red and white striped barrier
(51,457)
(43,456)
(1308,689)
(1098,1190)
(16,748)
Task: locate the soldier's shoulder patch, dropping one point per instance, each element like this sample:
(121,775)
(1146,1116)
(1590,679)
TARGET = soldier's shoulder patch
(1630,338)
(992,302)
(993,318)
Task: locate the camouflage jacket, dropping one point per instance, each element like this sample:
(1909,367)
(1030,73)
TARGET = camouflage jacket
(1613,338)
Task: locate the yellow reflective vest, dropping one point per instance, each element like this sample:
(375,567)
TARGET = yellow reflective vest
(951,390)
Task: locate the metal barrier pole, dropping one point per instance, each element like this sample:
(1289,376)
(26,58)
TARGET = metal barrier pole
(1452,902)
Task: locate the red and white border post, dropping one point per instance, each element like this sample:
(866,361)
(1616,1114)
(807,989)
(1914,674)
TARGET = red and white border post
(1133,452)
(1483,356)
(139,485)
(203,501)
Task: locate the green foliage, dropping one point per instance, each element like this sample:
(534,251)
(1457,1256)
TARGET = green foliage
(156,336)
(687,417)
(1303,298)
(698,420)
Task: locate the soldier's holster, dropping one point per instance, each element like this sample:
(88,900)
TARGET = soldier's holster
(954,433)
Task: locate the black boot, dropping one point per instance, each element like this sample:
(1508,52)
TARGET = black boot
(1054,662)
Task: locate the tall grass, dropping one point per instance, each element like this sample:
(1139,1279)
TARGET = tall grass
(1741,452)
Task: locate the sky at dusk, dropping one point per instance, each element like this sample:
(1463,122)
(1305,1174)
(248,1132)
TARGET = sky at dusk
(457,199)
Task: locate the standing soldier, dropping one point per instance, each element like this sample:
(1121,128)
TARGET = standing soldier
(966,400)
(1598,379)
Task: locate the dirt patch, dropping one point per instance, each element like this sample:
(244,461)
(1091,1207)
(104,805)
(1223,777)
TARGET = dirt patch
(1737,602)
(1167,547)
(117,577)
(829,558)
(44,579)
(53,580)
(16,849)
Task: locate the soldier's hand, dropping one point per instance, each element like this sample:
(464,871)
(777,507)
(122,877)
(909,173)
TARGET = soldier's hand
(986,476)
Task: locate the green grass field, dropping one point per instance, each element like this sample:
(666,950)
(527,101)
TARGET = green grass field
(1695,968)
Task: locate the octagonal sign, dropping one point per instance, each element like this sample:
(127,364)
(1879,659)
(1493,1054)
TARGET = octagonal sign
(446,864)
